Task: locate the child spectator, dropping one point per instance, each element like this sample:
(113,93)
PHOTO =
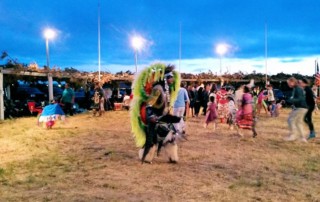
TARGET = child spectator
(270,95)
(273,108)
(261,103)
(211,115)
(232,113)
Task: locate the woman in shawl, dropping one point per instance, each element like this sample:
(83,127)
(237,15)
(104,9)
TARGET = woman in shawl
(222,101)
(245,118)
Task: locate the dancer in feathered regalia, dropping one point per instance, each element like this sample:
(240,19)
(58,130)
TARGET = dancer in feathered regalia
(154,92)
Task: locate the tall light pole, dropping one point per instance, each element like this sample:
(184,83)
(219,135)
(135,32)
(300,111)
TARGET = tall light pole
(49,34)
(221,49)
(99,54)
(137,43)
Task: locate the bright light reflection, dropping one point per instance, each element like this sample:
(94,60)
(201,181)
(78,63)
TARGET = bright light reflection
(137,42)
(49,33)
(221,49)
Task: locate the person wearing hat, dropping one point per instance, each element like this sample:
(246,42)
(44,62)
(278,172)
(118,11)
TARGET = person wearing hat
(98,99)
(158,118)
(304,83)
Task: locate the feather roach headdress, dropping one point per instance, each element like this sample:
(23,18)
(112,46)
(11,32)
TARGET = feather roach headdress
(142,89)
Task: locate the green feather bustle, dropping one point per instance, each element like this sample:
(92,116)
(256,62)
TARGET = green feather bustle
(153,74)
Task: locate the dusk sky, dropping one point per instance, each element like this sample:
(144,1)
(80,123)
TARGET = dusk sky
(293,33)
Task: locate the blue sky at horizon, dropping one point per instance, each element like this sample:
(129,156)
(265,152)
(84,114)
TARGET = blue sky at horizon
(293,42)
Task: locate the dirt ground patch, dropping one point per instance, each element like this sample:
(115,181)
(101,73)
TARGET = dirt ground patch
(95,159)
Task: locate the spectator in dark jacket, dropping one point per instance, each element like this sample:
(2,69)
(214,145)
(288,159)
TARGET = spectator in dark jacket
(67,99)
(299,110)
(198,99)
(205,98)
(304,83)
(191,95)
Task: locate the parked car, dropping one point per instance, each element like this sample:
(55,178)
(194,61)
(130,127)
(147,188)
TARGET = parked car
(24,93)
(57,91)
(278,94)
(83,99)
(13,110)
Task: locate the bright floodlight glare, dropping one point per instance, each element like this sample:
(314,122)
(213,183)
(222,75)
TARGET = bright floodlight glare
(137,42)
(49,33)
(222,49)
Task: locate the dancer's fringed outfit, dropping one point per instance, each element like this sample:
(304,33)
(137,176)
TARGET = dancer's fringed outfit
(154,92)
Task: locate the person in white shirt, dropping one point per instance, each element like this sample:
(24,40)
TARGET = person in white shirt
(181,104)
(126,101)
(270,94)
(238,97)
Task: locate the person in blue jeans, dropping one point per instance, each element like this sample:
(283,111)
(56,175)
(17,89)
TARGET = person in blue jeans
(181,104)
(299,110)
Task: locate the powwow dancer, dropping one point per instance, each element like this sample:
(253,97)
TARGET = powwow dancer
(232,113)
(98,100)
(50,114)
(154,92)
(222,101)
(246,115)
(211,115)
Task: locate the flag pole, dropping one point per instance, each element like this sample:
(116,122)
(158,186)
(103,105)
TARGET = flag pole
(266,50)
(316,75)
(99,56)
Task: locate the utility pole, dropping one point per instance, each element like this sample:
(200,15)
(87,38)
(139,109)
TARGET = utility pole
(1,96)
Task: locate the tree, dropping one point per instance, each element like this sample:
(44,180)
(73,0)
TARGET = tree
(71,70)
(4,55)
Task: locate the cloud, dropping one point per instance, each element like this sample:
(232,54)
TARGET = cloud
(303,66)
(291,60)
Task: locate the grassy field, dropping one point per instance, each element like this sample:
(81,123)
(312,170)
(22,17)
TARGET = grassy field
(95,159)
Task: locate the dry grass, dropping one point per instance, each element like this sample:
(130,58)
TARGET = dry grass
(95,159)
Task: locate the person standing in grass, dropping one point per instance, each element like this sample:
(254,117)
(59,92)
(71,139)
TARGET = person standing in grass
(238,97)
(315,94)
(245,114)
(270,97)
(232,113)
(304,83)
(191,98)
(205,100)
(213,92)
(98,100)
(198,99)
(299,110)
(180,106)
(67,99)
(222,102)
(261,102)
(211,114)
